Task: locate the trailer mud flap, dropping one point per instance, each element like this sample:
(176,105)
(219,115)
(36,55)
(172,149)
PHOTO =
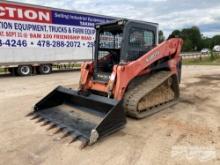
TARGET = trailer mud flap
(86,118)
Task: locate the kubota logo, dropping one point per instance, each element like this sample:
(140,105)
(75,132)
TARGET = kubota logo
(24,13)
(152,56)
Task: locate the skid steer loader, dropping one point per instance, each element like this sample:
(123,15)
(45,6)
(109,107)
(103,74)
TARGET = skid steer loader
(130,74)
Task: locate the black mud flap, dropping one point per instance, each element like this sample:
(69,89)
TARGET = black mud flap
(86,118)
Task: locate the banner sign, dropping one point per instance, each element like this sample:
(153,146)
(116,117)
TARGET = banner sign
(33,27)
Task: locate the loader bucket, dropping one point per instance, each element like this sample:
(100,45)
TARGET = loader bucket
(86,118)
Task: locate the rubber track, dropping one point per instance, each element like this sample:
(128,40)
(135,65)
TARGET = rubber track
(134,95)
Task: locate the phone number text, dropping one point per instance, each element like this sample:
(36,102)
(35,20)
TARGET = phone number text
(45,44)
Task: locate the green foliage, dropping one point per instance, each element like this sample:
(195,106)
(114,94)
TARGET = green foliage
(194,40)
(2,70)
(193,34)
(213,59)
(211,42)
(176,33)
(187,45)
(161,36)
(216,40)
(207,43)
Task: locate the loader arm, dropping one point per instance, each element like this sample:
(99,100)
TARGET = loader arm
(126,73)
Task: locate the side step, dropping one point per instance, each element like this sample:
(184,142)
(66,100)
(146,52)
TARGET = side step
(86,118)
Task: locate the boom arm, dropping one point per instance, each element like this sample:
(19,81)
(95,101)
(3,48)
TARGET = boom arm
(126,73)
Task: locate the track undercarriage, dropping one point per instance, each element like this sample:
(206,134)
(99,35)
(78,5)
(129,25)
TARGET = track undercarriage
(148,96)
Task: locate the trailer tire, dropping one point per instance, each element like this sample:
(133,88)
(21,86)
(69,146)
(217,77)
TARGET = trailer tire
(45,69)
(24,70)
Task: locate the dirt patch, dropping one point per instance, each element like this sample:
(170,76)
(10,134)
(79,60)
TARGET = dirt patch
(194,99)
(194,121)
(205,80)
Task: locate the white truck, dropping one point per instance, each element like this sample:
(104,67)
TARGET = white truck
(216,48)
(34,38)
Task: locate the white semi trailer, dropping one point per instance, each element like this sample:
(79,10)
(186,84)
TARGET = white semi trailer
(34,38)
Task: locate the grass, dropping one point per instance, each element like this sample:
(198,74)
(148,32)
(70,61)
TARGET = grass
(77,65)
(2,70)
(211,60)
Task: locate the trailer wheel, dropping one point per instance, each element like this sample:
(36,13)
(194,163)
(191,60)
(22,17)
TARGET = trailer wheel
(24,70)
(45,69)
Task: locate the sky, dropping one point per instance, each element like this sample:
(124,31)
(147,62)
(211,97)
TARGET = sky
(170,14)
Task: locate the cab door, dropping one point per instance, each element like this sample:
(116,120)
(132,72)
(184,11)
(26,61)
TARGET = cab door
(140,38)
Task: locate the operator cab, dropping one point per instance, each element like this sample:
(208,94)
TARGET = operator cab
(119,42)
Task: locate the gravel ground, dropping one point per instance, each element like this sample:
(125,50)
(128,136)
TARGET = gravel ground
(187,133)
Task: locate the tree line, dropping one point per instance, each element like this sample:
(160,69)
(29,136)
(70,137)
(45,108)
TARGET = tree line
(193,39)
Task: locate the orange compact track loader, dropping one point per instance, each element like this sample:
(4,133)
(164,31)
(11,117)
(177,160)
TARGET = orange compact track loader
(130,74)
